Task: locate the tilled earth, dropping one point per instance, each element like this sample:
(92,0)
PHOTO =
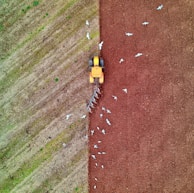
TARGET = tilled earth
(143,127)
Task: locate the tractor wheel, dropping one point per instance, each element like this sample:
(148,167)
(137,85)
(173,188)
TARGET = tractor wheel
(90,62)
(101,62)
(101,79)
(91,79)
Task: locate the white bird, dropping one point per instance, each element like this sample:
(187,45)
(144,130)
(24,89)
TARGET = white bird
(64,144)
(68,116)
(103,131)
(125,90)
(101,115)
(98,128)
(102,166)
(108,122)
(138,54)
(99,141)
(159,7)
(87,23)
(114,97)
(83,116)
(121,60)
(108,111)
(93,156)
(92,132)
(95,187)
(103,152)
(96,164)
(103,108)
(88,35)
(100,45)
(99,153)
(145,23)
(128,34)
(95,146)
(95,179)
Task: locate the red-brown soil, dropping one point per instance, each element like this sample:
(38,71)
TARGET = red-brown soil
(149,145)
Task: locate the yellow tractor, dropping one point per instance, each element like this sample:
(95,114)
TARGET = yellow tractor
(96,67)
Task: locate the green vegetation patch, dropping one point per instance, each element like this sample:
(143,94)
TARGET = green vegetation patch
(14,74)
(44,154)
(40,53)
(1,27)
(56,177)
(79,189)
(35,3)
(27,8)
(56,79)
(68,17)
(16,143)
(66,7)
(46,15)
(21,138)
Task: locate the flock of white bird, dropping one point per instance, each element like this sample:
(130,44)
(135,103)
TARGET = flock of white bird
(101,132)
(104,111)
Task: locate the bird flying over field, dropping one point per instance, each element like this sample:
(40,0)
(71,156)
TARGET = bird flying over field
(145,23)
(68,116)
(108,111)
(125,90)
(83,116)
(159,7)
(128,34)
(108,122)
(100,45)
(138,55)
(121,60)
(88,35)
(87,23)
(114,97)
(103,131)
